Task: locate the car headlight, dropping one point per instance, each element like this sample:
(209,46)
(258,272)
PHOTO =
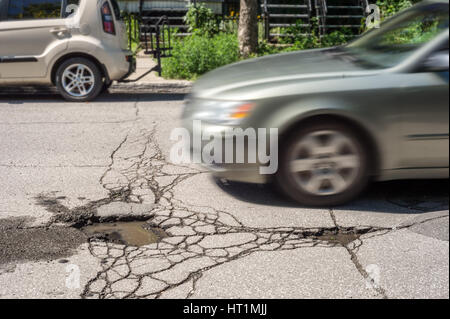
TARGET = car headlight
(224,112)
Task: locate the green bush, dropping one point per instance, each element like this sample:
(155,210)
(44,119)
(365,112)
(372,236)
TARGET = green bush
(201,20)
(196,55)
(312,41)
(299,41)
(209,47)
(390,7)
(294,33)
(336,38)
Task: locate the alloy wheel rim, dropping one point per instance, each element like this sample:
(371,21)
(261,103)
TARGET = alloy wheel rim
(325,163)
(78,80)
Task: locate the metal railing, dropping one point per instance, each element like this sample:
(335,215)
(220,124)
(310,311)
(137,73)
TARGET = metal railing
(155,39)
(266,15)
(133,24)
(325,15)
(266,12)
(321,12)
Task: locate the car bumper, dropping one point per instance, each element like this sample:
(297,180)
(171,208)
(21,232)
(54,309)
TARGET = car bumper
(246,173)
(119,64)
(239,172)
(131,66)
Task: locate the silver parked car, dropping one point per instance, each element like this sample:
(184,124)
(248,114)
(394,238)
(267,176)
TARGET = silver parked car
(78,45)
(377,107)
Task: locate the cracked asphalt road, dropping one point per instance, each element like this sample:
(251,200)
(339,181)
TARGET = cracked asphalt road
(66,165)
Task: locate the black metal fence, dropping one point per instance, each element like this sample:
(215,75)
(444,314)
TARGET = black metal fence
(153,37)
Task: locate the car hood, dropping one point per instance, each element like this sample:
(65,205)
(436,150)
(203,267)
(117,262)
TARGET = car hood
(279,69)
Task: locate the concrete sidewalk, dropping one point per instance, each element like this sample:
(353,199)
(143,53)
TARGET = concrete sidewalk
(150,83)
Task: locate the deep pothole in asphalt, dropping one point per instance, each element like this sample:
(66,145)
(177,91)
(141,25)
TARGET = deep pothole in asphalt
(133,233)
(339,237)
(121,228)
(137,231)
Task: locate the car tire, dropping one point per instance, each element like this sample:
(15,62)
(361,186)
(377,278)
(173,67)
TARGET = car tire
(79,80)
(323,164)
(106,87)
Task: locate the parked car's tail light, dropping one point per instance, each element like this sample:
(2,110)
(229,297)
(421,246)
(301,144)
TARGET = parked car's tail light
(108,20)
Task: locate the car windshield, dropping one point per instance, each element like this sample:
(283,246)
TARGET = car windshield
(399,37)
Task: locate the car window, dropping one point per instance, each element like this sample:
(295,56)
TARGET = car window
(401,36)
(116,9)
(418,30)
(3,9)
(34,9)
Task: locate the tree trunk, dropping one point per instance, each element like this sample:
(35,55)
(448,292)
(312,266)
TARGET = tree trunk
(248,27)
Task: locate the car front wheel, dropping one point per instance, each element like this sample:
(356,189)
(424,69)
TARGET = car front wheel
(323,164)
(79,80)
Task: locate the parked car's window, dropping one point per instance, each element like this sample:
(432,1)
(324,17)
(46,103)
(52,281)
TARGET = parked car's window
(116,9)
(3,8)
(34,9)
(401,36)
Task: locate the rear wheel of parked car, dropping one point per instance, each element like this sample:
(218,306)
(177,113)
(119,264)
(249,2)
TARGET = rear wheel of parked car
(79,80)
(323,164)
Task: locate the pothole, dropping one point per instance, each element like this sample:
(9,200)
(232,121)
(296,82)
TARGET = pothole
(110,219)
(341,236)
(134,233)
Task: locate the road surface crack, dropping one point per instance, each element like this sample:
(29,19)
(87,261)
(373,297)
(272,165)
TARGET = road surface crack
(200,237)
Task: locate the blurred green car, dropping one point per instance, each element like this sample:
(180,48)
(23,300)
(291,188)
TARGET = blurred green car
(375,108)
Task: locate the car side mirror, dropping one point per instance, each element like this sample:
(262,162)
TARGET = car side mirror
(437,62)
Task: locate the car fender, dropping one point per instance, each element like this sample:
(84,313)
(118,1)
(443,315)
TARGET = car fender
(294,113)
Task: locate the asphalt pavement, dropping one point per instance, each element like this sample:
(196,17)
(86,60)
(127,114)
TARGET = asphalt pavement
(67,165)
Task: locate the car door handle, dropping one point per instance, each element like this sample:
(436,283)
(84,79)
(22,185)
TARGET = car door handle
(60,32)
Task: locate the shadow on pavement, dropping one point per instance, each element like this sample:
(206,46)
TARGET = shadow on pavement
(49,95)
(402,197)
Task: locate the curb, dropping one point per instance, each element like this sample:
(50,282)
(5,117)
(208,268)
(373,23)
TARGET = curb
(151,87)
(182,87)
